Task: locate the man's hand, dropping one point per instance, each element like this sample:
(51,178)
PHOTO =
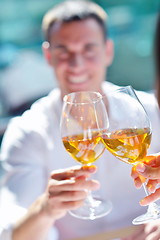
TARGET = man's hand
(67,190)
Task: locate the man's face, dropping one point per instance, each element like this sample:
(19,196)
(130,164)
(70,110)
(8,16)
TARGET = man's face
(79,55)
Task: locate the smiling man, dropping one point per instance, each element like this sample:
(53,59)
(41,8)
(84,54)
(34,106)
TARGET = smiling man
(78,49)
(76,46)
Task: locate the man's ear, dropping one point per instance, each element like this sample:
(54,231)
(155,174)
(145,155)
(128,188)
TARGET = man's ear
(109,52)
(46,52)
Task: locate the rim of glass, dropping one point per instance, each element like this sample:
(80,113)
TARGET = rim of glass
(118,89)
(99,97)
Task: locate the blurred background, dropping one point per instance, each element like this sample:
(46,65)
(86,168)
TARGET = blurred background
(24,74)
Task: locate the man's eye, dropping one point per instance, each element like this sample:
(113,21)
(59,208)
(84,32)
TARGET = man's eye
(63,55)
(90,53)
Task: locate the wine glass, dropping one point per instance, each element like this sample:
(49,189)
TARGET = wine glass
(83,119)
(129,135)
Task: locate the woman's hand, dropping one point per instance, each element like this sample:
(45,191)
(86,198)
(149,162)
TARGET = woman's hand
(148,170)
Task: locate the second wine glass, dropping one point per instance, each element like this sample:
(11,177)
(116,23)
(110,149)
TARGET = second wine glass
(83,119)
(129,135)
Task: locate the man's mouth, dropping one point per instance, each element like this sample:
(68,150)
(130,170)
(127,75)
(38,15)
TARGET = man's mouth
(78,79)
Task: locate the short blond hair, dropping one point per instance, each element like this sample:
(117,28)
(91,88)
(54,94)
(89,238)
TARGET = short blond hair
(73,10)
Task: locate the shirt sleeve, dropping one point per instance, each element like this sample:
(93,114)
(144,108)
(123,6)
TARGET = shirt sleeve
(6,233)
(23,154)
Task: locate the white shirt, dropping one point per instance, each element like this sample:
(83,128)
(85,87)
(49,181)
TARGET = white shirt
(10,212)
(6,233)
(32,148)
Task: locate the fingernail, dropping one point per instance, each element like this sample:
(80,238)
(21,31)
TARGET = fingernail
(140,167)
(137,184)
(92,168)
(151,188)
(97,184)
(142,202)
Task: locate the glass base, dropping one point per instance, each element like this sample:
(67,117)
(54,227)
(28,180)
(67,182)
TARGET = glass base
(96,208)
(152,213)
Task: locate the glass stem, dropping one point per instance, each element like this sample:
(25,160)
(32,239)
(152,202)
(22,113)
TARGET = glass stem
(89,198)
(145,189)
(152,207)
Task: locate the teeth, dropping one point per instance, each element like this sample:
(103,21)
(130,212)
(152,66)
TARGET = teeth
(78,79)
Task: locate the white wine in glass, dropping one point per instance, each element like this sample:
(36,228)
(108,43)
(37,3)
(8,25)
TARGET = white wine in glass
(83,119)
(129,135)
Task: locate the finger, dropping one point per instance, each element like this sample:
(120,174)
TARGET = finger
(73,185)
(61,206)
(68,196)
(73,172)
(72,204)
(151,185)
(147,171)
(134,173)
(153,236)
(138,179)
(152,160)
(152,230)
(151,198)
(158,159)
(137,182)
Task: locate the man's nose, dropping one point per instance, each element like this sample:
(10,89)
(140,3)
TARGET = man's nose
(76,61)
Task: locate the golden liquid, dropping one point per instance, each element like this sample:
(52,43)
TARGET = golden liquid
(84,150)
(129,145)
